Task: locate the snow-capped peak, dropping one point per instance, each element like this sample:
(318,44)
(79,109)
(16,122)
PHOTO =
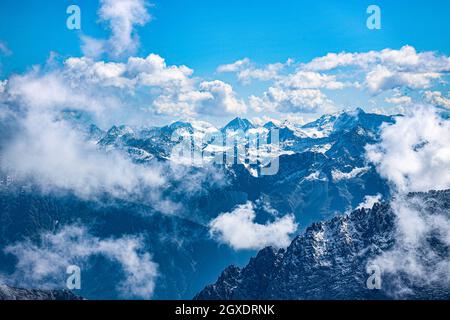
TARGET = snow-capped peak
(238,124)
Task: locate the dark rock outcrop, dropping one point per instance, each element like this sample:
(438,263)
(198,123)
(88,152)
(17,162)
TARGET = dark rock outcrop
(10,293)
(329,260)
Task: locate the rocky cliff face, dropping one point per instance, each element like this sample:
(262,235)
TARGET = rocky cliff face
(329,260)
(9,293)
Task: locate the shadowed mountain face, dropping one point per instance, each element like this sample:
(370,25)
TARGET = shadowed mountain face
(322,173)
(329,260)
(9,293)
(238,124)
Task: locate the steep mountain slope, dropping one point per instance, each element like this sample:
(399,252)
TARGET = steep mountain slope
(329,260)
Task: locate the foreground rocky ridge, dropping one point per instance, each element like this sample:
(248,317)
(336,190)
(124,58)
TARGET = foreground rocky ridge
(329,260)
(10,293)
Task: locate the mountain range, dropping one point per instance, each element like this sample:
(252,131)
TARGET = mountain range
(323,173)
(322,165)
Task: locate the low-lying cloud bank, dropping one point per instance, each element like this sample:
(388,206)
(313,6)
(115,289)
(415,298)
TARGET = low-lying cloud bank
(419,257)
(44,264)
(414,155)
(56,156)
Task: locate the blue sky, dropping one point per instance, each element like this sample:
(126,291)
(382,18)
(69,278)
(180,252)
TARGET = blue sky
(204,34)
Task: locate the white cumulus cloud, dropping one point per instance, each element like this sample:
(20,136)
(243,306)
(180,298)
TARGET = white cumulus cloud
(369,201)
(399,99)
(223,99)
(414,153)
(436,98)
(311,80)
(239,230)
(382,78)
(292,101)
(247,71)
(388,69)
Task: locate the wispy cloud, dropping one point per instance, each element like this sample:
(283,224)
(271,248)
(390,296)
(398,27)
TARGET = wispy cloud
(122,17)
(283,100)
(247,71)
(4,50)
(414,155)
(235,66)
(43,264)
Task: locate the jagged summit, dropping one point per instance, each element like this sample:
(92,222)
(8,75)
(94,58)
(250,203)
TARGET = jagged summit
(319,128)
(115,133)
(238,124)
(180,124)
(269,125)
(329,260)
(346,121)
